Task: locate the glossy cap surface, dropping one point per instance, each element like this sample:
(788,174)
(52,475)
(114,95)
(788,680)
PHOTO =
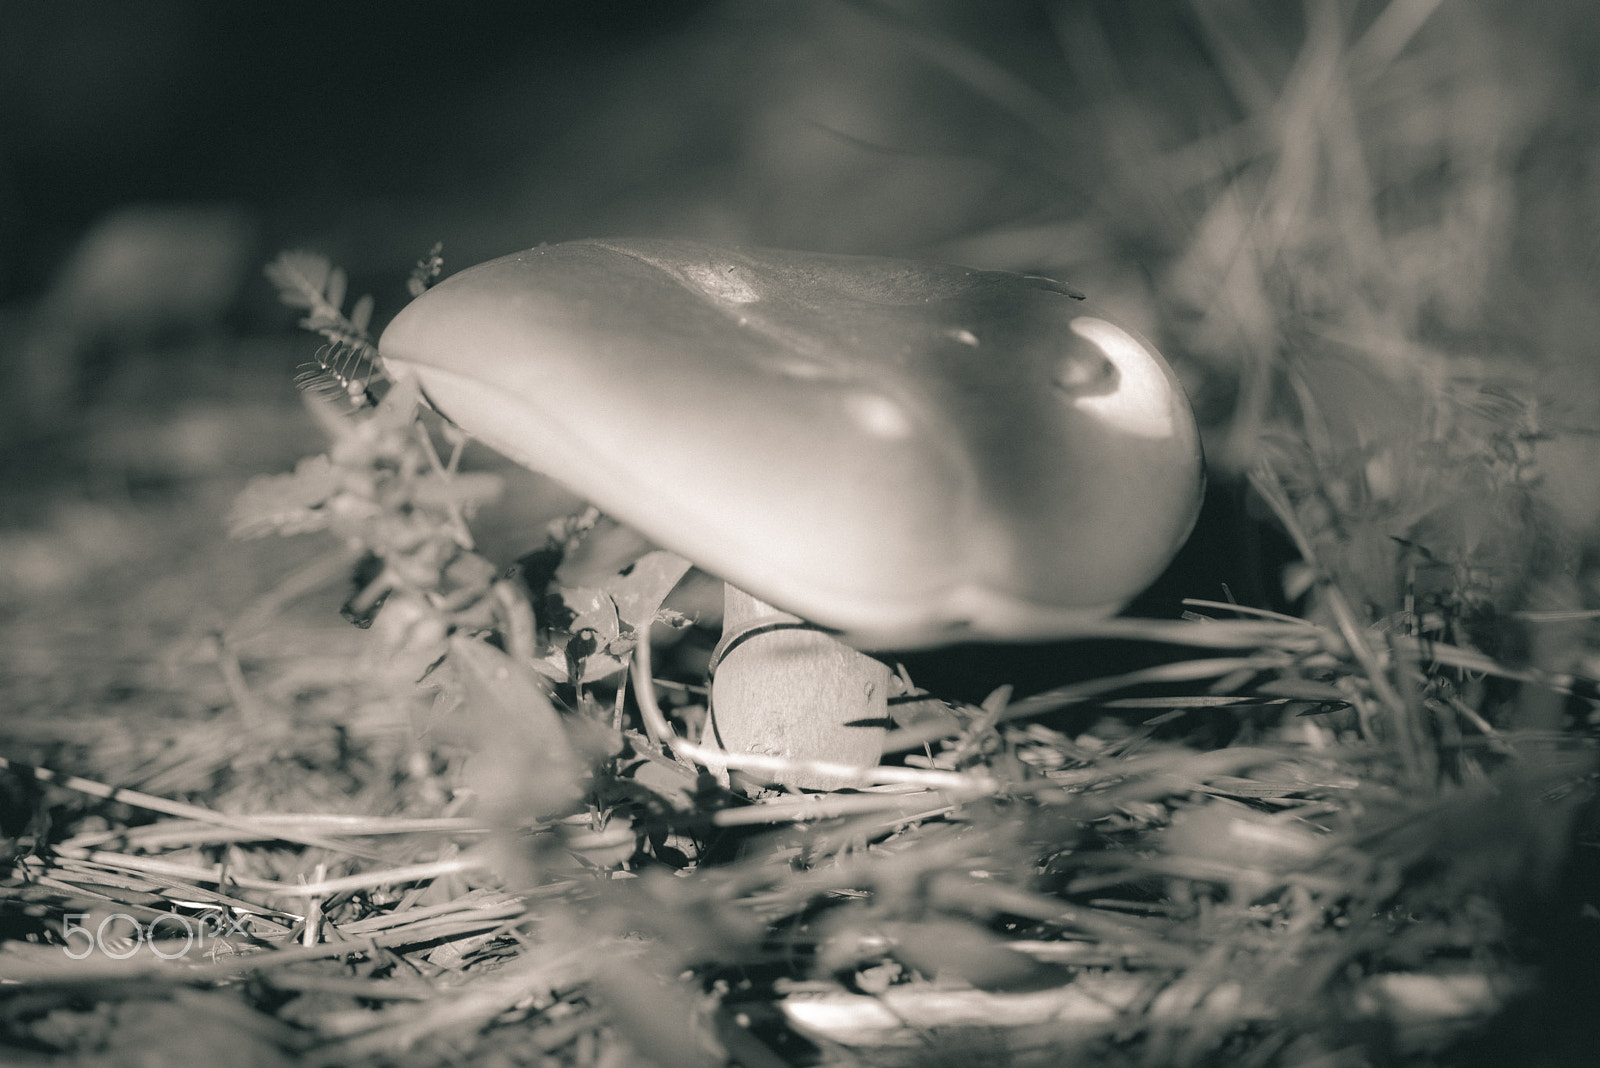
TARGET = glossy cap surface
(912,453)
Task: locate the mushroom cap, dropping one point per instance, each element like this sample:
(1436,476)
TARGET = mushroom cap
(912,453)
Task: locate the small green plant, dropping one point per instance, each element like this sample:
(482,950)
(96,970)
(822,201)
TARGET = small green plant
(1012,856)
(439,607)
(1342,834)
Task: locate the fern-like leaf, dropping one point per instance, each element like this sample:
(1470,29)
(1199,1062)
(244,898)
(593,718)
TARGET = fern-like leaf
(286,504)
(426,270)
(342,372)
(309,280)
(361,314)
(345,368)
(301,277)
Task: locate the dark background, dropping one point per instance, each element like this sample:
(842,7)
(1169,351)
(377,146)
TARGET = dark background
(937,127)
(373,130)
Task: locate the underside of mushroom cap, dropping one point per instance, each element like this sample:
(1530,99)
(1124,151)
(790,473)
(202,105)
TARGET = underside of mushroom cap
(911,453)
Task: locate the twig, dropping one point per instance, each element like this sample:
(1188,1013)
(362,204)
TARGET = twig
(908,738)
(410,873)
(827,806)
(178,808)
(267,827)
(1242,609)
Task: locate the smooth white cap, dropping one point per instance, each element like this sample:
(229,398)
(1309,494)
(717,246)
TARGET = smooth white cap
(912,453)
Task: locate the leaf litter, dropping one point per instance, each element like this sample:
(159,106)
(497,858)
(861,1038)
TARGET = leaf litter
(468,835)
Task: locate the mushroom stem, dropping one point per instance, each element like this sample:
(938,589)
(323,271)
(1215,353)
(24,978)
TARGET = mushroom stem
(783,687)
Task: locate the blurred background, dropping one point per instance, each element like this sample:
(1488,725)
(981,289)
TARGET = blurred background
(1366,233)
(1366,203)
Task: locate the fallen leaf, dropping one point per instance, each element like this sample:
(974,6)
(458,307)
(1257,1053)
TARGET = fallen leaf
(523,766)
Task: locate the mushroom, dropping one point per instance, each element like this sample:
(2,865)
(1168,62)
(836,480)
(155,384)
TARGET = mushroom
(894,453)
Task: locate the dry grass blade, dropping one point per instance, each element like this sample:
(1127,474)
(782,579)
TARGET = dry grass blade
(1347,822)
(909,738)
(179,809)
(397,1030)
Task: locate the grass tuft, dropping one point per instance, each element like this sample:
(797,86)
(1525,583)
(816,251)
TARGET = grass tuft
(1350,827)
